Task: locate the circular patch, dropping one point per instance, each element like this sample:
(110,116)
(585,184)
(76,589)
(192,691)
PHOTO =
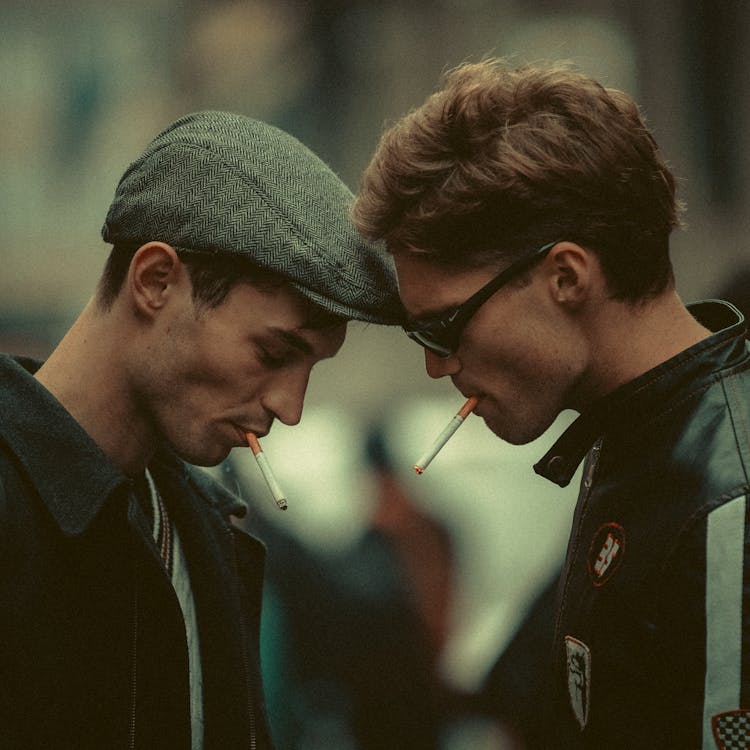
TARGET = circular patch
(606,552)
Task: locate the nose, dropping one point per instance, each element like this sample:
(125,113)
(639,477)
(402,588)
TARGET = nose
(439,367)
(285,398)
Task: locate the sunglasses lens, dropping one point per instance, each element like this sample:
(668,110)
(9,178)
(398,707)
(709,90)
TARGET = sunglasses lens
(425,340)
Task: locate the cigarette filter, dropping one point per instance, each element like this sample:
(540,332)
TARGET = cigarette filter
(265,469)
(445,435)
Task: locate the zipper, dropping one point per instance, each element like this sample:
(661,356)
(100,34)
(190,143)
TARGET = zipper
(587,483)
(588,479)
(249,684)
(134,656)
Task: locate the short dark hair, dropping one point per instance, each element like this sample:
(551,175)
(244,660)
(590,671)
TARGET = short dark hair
(212,276)
(502,160)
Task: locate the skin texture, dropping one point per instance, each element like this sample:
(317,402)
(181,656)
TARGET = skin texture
(157,368)
(552,341)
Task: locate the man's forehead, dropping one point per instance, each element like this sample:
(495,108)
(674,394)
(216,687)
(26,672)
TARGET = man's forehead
(429,289)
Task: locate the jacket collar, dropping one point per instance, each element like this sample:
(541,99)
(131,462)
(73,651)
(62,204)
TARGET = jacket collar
(73,476)
(70,472)
(647,394)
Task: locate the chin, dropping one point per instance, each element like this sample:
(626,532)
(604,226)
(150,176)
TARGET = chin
(515,434)
(202,458)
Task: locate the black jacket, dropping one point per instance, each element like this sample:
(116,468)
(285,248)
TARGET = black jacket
(92,640)
(652,643)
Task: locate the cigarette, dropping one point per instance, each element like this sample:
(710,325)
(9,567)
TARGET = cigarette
(265,469)
(445,435)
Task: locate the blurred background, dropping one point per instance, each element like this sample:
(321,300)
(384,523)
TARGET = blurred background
(401,611)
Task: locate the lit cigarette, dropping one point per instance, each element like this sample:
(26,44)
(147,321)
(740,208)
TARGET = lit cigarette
(265,469)
(445,435)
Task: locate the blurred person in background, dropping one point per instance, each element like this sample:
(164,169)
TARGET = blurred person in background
(529,213)
(352,637)
(129,601)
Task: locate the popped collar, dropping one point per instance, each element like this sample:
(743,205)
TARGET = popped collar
(645,397)
(72,475)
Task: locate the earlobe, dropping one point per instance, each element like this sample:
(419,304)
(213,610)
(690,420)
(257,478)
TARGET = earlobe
(153,272)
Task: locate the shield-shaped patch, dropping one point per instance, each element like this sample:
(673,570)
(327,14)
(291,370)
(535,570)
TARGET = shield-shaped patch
(579,678)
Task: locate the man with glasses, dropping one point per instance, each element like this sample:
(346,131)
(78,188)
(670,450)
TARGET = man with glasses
(529,212)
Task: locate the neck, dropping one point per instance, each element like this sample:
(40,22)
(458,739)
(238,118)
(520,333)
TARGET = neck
(628,340)
(86,373)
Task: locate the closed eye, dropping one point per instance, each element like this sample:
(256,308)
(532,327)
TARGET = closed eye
(275,360)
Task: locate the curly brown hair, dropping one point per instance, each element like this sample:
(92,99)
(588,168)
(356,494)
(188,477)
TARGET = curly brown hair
(501,160)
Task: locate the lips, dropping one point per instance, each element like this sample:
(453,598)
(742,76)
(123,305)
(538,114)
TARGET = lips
(259,433)
(469,393)
(464,390)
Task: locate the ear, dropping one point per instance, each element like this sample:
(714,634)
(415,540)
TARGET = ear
(573,271)
(154,273)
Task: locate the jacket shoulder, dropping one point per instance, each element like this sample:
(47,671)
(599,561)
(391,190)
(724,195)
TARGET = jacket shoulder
(736,387)
(13,495)
(708,442)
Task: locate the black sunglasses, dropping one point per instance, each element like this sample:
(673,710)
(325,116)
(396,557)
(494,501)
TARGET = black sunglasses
(441,335)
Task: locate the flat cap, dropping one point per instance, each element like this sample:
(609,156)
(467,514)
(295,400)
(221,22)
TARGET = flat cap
(224,183)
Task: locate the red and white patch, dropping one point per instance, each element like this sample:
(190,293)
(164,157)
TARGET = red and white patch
(579,678)
(732,730)
(606,552)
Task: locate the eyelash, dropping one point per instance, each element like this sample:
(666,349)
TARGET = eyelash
(271,361)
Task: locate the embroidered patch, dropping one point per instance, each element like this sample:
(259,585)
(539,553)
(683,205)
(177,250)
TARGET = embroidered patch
(732,730)
(605,554)
(579,678)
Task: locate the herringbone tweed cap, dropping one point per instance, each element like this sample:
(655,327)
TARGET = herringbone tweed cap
(225,183)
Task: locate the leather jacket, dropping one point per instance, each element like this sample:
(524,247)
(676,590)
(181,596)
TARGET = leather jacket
(652,641)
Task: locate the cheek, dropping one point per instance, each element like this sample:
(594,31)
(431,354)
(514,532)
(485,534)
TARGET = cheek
(221,385)
(531,362)
(211,358)
(502,349)
(206,377)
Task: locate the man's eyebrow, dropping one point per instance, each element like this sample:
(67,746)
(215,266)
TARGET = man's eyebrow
(293,339)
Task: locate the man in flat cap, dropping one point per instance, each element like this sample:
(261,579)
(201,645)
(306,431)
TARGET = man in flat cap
(129,603)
